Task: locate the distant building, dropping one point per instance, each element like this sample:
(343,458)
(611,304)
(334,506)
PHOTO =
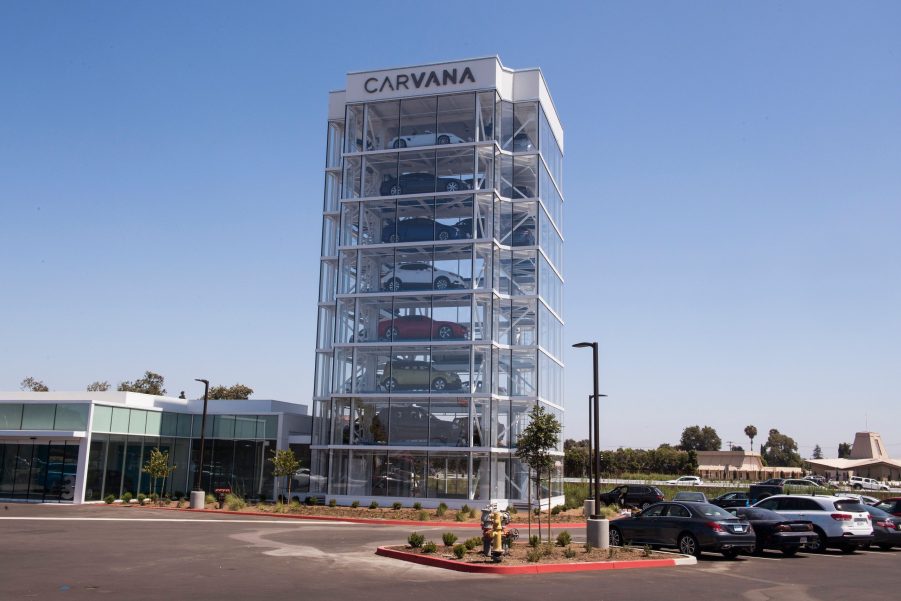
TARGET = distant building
(76,447)
(740,465)
(868,459)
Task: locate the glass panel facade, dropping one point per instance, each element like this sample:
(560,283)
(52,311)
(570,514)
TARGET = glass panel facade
(446,306)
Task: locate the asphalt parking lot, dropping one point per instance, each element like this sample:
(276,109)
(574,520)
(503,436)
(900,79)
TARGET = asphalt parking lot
(87,552)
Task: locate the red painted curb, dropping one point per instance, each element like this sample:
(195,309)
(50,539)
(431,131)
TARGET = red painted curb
(376,521)
(547,568)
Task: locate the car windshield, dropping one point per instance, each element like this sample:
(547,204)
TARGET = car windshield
(850,505)
(711,511)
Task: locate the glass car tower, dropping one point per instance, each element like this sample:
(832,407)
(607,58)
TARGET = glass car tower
(440,318)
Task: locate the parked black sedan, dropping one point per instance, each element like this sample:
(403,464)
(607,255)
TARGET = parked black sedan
(776,531)
(731,499)
(886,528)
(690,527)
(632,495)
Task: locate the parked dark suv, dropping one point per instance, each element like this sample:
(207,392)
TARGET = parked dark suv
(632,495)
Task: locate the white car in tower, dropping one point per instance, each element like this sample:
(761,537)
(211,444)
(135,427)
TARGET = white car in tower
(858,483)
(420,276)
(425,138)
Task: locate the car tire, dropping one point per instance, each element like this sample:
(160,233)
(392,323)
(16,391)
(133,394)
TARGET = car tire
(819,543)
(400,144)
(452,186)
(389,384)
(885,547)
(392,333)
(730,553)
(615,537)
(393,285)
(443,235)
(848,549)
(393,238)
(688,545)
(857,487)
(645,505)
(442,283)
(445,332)
(789,551)
(395,190)
(439,384)
(443,139)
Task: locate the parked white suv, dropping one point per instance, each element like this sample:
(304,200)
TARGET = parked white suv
(858,483)
(685,481)
(840,522)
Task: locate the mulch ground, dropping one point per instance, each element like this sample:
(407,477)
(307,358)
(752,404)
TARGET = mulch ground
(519,554)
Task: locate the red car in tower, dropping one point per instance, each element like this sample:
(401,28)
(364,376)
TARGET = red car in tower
(420,327)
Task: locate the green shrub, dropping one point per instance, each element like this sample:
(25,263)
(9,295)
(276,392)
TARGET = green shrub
(587,547)
(557,509)
(547,549)
(472,543)
(109,499)
(449,538)
(180,503)
(423,516)
(465,508)
(415,539)
(534,541)
(374,505)
(294,506)
(311,501)
(141,498)
(459,551)
(396,505)
(234,502)
(459,516)
(533,555)
(536,511)
(564,539)
(210,498)
(417,505)
(512,510)
(569,553)
(429,547)
(333,502)
(126,498)
(473,513)
(154,498)
(646,551)
(610,512)
(355,504)
(442,509)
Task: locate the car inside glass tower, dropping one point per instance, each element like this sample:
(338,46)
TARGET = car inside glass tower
(440,298)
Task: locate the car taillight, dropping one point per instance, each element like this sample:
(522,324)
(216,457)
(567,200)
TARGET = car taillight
(716,526)
(842,517)
(783,528)
(885,524)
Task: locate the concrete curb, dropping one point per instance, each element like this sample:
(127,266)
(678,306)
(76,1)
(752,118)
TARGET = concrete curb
(538,568)
(373,521)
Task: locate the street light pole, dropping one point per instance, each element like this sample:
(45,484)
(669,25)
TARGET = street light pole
(591,476)
(595,423)
(198,497)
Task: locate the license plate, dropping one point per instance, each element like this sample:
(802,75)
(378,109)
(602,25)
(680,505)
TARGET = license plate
(738,528)
(859,521)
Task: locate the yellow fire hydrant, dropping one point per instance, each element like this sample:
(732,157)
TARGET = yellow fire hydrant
(493,532)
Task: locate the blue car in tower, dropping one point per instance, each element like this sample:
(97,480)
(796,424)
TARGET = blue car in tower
(418,229)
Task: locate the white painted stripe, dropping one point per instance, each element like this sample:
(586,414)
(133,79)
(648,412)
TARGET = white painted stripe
(198,521)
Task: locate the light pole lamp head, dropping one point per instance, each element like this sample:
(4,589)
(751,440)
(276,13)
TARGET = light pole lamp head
(207,382)
(585,345)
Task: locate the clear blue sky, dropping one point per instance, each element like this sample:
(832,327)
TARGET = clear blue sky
(733,197)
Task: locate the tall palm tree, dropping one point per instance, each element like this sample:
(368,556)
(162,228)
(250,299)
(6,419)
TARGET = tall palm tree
(751,432)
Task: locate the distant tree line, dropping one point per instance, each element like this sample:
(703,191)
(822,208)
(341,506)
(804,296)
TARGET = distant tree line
(151,383)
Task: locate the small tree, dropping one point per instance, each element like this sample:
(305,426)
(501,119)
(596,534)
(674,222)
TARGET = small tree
(235,392)
(844,450)
(98,386)
(151,383)
(534,448)
(817,452)
(751,432)
(284,463)
(33,385)
(158,467)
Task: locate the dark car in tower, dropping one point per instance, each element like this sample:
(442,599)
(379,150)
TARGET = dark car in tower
(776,531)
(690,527)
(418,229)
(420,327)
(420,183)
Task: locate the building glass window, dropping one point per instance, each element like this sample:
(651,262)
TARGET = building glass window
(10,416)
(382,124)
(417,123)
(38,417)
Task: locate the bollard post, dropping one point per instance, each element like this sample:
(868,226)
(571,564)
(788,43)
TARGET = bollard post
(599,533)
(588,508)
